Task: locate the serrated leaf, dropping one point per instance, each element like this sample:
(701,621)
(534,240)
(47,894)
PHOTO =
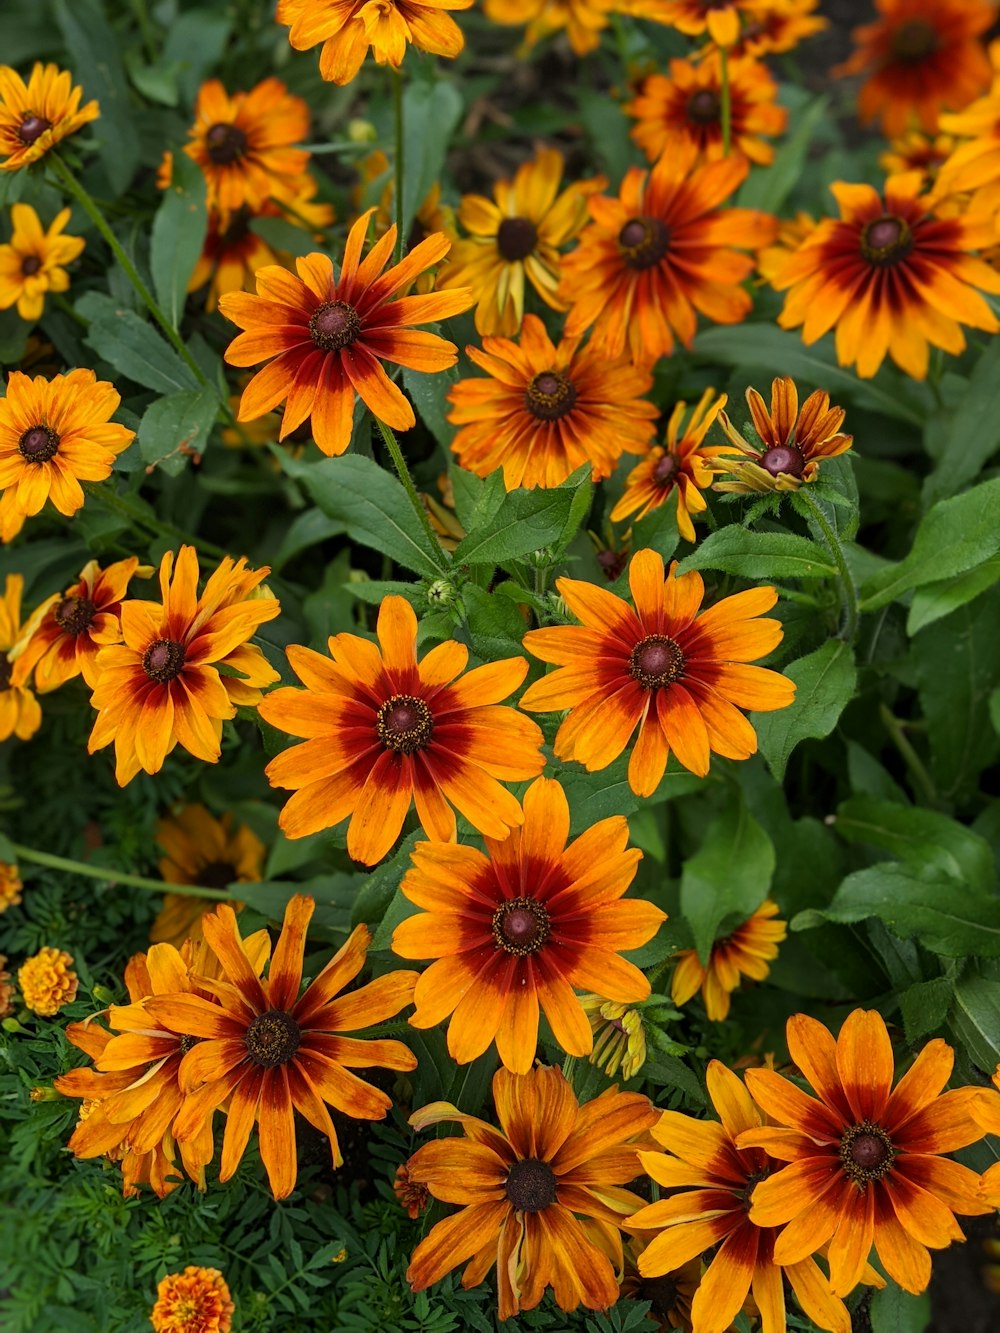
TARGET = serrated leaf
(936,600)
(430,113)
(132,346)
(975,1019)
(760,555)
(824,683)
(179,419)
(526,521)
(974,435)
(178,236)
(729,876)
(920,837)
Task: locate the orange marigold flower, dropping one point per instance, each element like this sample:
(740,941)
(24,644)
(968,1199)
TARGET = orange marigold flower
(34,261)
(412,1196)
(383,730)
(916,151)
(583,20)
(10,886)
(349,28)
(517,235)
(891,277)
(34,117)
(271,1051)
(517,930)
(921,57)
(543,1194)
(328,338)
(745,951)
(793,443)
(547,410)
(53,435)
(773,26)
(195,1301)
(720,19)
(661,251)
(20,714)
(715,1176)
(7,991)
(161,687)
(681,464)
(663,667)
(685,110)
(47,981)
(863,1164)
(69,631)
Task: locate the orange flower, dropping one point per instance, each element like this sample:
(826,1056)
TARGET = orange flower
(328,338)
(271,1051)
(524,1187)
(915,151)
(773,26)
(670,1296)
(674,674)
(922,57)
(682,464)
(650,259)
(719,18)
(974,165)
(713,1177)
(10,886)
(34,261)
(791,233)
(863,1159)
(685,110)
(987,1112)
(20,714)
(161,687)
(195,1301)
(792,443)
(516,931)
(891,276)
(383,731)
(7,991)
(546,410)
(34,117)
(47,981)
(745,951)
(413,1197)
(583,20)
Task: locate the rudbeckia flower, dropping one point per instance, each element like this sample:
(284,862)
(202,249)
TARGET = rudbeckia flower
(916,151)
(20,714)
(34,261)
(582,20)
(34,117)
(720,19)
(744,952)
(793,443)
(773,26)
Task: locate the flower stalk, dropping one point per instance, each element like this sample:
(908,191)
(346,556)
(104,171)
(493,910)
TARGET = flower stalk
(111,876)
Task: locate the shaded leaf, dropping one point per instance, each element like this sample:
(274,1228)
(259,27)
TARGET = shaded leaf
(824,683)
(729,876)
(760,555)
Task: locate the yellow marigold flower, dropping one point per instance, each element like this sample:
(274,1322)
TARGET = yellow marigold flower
(619,1037)
(34,117)
(195,1301)
(47,981)
(10,886)
(33,263)
(745,951)
(583,20)
(20,714)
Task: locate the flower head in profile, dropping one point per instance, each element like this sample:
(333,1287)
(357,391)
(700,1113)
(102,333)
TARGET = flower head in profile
(20,714)
(719,19)
(195,1301)
(542,1195)
(517,237)
(917,151)
(34,262)
(36,115)
(10,886)
(863,1158)
(545,410)
(682,464)
(746,951)
(161,687)
(583,21)
(328,338)
(619,1036)
(771,27)
(666,667)
(793,443)
(47,981)
(514,932)
(412,1196)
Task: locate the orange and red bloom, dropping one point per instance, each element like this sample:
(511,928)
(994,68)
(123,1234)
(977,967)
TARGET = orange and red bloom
(676,672)
(20,714)
(47,981)
(37,115)
(195,1301)
(793,443)
(746,951)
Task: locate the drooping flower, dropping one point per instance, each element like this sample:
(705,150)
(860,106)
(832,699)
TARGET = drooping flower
(513,933)
(774,26)
(383,731)
(10,886)
(891,277)
(517,236)
(619,1036)
(746,951)
(412,1196)
(328,338)
(20,714)
(34,117)
(863,1163)
(47,981)
(720,19)
(662,251)
(582,20)
(34,261)
(195,1301)
(682,464)
(546,410)
(271,1051)
(161,687)
(677,675)
(543,1194)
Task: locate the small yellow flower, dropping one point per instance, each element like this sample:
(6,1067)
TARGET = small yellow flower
(10,886)
(747,951)
(47,981)
(195,1301)
(201,849)
(20,712)
(619,1039)
(6,989)
(34,261)
(34,117)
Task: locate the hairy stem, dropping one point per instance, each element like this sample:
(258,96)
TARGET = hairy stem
(403,472)
(848,592)
(114,876)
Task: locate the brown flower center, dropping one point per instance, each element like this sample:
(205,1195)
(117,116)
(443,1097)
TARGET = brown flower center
(5,671)
(886,241)
(404,724)
(704,108)
(752,1181)
(217,875)
(272,1038)
(30,265)
(74,614)
(516,238)
(39,444)
(866,1152)
(531,1185)
(520,926)
(550,395)
(656,661)
(32,128)
(643,242)
(914,40)
(661,1292)
(334,325)
(785,458)
(163,660)
(225,144)
(663,472)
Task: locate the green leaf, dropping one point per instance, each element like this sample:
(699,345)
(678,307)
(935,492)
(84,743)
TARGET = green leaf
(760,555)
(935,600)
(496,627)
(594,796)
(181,418)
(769,187)
(178,236)
(920,837)
(729,876)
(824,683)
(430,113)
(430,397)
(924,1006)
(305,530)
(894,1310)
(132,346)
(526,521)
(975,1019)
(380,888)
(390,877)
(975,429)
(477,499)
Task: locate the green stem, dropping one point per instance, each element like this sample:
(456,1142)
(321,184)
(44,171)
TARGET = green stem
(403,472)
(114,876)
(397,107)
(112,500)
(849,593)
(569,1069)
(726,108)
(921,778)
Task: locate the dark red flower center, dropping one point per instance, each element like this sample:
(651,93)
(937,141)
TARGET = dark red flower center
(914,40)
(74,614)
(32,128)
(784,458)
(663,472)
(404,724)
(217,875)
(39,444)
(30,265)
(163,660)
(643,242)
(661,1292)
(334,325)
(225,144)
(704,108)
(752,1181)
(531,1185)
(520,926)
(612,563)
(5,671)
(516,238)
(550,395)
(866,1152)
(272,1038)
(886,240)
(656,661)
